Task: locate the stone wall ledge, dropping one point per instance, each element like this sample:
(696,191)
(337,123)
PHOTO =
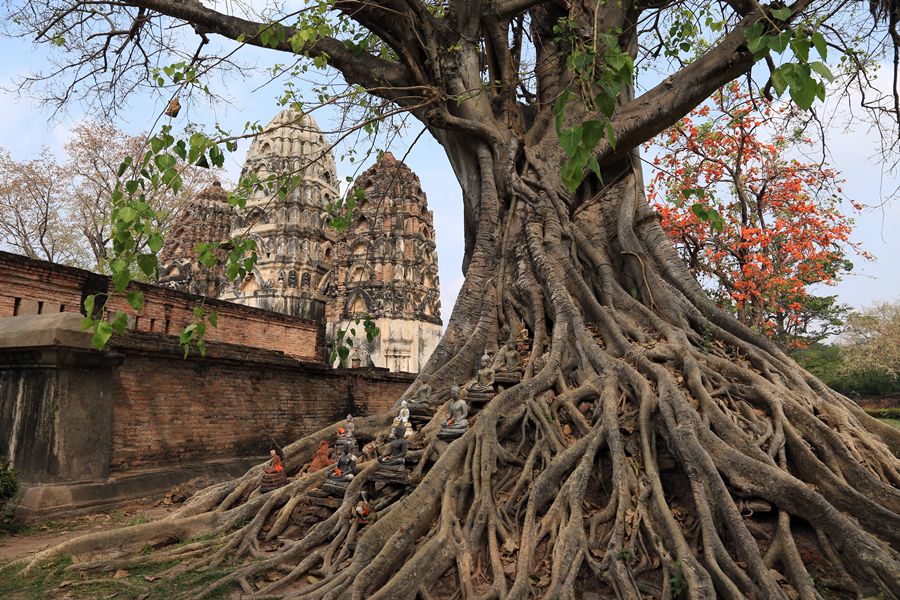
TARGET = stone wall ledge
(83,497)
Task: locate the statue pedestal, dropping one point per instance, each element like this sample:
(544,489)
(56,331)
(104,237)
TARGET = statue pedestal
(394,474)
(448,435)
(507,379)
(420,414)
(479,397)
(271,481)
(334,488)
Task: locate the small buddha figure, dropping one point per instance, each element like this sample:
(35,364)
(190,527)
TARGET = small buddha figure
(422,394)
(404,412)
(345,468)
(508,360)
(458,423)
(484,382)
(362,512)
(396,458)
(523,332)
(345,434)
(321,458)
(273,475)
(370,450)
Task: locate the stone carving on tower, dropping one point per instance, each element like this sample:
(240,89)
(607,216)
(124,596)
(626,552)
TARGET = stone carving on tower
(294,246)
(206,218)
(386,268)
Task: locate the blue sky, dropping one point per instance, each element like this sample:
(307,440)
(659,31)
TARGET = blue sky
(26,127)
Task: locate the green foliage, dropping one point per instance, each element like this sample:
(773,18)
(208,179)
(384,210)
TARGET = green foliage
(136,227)
(676,582)
(796,75)
(884,413)
(343,339)
(602,72)
(827,362)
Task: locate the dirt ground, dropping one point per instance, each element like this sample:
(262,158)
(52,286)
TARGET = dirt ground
(39,535)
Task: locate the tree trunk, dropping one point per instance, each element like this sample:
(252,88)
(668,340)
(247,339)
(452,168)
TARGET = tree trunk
(654,447)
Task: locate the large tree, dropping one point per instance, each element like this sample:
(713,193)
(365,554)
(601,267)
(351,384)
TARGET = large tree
(655,446)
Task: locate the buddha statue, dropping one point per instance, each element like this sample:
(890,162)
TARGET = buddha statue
(345,468)
(509,360)
(321,458)
(422,394)
(404,412)
(458,423)
(362,512)
(345,434)
(273,475)
(396,458)
(484,382)
(523,333)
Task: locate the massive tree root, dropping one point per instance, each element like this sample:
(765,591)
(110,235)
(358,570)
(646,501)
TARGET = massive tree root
(654,447)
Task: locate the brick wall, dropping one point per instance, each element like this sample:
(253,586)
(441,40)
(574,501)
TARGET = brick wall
(167,410)
(38,287)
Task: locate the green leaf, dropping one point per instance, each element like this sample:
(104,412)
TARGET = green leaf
(214,319)
(592,132)
(117,265)
(147,264)
(121,280)
(611,135)
(821,45)
(155,243)
(779,42)
(594,166)
(570,139)
(120,323)
(102,334)
(126,213)
(779,82)
(781,14)
(86,323)
(822,70)
(89,307)
(165,161)
(136,300)
(124,166)
(800,46)
(559,109)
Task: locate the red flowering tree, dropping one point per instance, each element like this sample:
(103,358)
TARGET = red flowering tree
(756,226)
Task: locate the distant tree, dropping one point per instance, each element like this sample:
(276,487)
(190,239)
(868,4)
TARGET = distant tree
(871,342)
(756,226)
(61,211)
(93,155)
(34,210)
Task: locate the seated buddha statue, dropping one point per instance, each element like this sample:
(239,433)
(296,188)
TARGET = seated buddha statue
(458,423)
(397,449)
(422,394)
(484,381)
(508,361)
(321,458)
(404,412)
(273,475)
(345,468)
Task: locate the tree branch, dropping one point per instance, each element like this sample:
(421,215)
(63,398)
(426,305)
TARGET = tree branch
(361,68)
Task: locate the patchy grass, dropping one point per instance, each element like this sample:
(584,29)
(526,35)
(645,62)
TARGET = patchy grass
(893,422)
(51,580)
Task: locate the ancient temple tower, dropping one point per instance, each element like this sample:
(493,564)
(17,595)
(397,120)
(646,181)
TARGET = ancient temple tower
(293,245)
(386,267)
(206,218)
